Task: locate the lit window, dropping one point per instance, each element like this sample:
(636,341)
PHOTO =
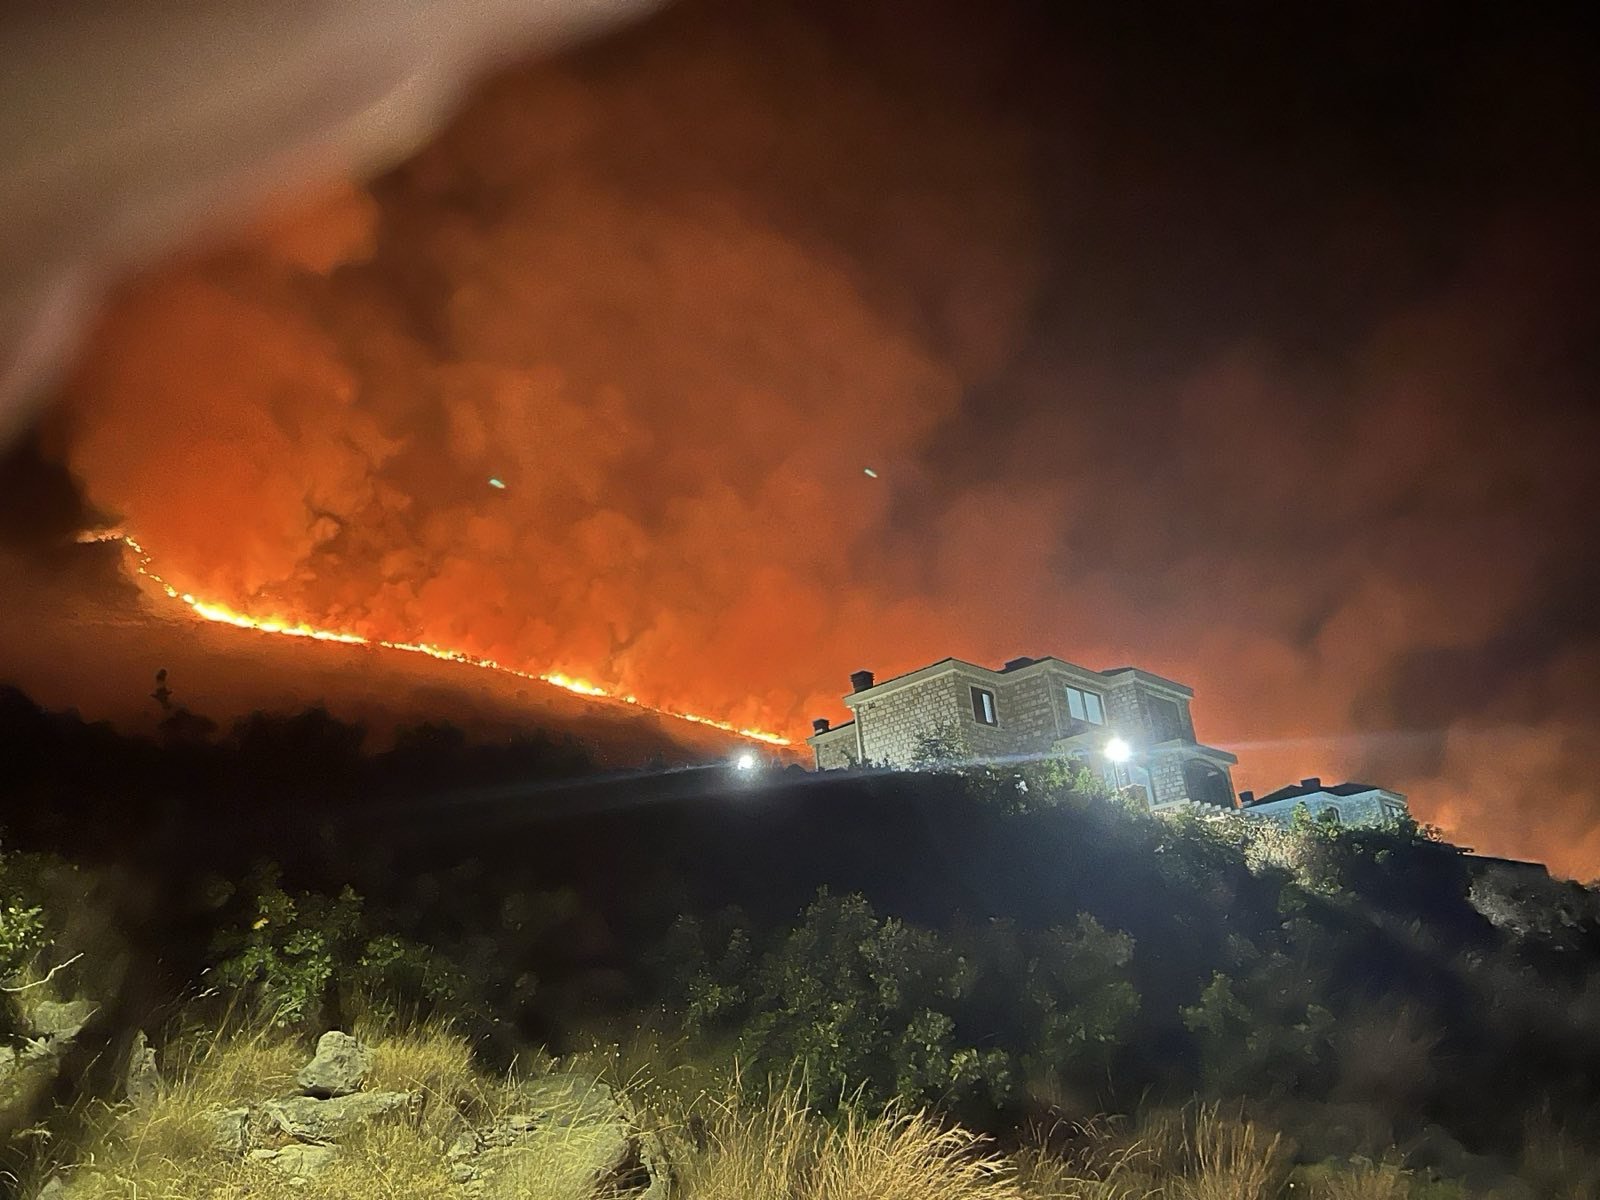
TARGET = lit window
(1085,706)
(983,706)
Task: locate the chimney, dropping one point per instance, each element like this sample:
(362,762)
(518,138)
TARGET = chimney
(1246,799)
(820,725)
(1015,663)
(860,681)
(1314,783)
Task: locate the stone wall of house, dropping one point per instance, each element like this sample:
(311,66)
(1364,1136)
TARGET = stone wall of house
(987,741)
(1166,778)
(1027,711)
(836,749)
(1124,714)
(1353,810)
(894,726)
(1130,711)
(1032,717)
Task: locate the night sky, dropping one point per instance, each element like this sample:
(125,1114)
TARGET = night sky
(1253,344)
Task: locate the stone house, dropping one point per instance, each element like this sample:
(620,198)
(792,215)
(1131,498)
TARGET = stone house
(1031,708)
(1350,803)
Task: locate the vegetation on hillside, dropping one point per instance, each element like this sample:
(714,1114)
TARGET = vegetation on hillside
(903,957)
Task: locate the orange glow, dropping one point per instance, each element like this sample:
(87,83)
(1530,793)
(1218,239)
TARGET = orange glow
(224,615)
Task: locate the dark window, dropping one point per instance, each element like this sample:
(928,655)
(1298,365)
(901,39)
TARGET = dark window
(1166,718)
(1085,706)
(983,706)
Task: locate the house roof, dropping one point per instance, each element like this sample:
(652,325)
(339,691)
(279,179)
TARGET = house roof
(1150,677)
(1296,790)
(828,732)
(1016,665)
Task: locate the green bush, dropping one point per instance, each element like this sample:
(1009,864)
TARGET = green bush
(964,1018)
(313,960)
(22,926)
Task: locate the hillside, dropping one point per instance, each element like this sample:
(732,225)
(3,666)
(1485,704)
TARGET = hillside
(78,635)
(1016,950)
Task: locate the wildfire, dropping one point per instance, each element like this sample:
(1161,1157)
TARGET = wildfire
(224,615)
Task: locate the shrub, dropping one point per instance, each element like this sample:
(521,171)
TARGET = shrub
(310,960)
(860,1001)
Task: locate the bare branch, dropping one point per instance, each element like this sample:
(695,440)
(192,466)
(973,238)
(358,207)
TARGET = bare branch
(48,977)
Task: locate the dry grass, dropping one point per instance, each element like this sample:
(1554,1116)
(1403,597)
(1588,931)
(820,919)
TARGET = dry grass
(434,1063)
(169,1149)
(1209,1154)
(772,1150)
(1195,1153)
(781,1151)
(1100,1165)
(231,1069)
(1369,1182)
(1559,1163)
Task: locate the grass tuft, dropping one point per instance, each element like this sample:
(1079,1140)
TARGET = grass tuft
(780,1150)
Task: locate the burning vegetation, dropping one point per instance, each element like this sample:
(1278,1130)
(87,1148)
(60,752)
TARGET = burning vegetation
(143,565)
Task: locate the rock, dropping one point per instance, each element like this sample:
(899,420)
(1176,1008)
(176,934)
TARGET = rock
(654,1174)
(142,1084)
(339,1067)
(55,1188)
(299,1162)
(465,1144)
(567,1134)
(61,1020)
(463,1172)
(565,1099)
(231,1127)
(308,1119)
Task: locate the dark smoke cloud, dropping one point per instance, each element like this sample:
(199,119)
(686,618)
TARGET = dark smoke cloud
(1255,355)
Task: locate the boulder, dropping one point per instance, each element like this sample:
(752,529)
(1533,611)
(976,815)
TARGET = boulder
(653,1172)
(298,1162)
(142,1083)
(307,1119)
(61,1020)
(231,1128)
(562,1100)
(567,1133)
(339,1067)
(465,1144)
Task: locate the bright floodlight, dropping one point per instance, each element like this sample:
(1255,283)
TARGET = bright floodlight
(745,761)
(1118,751)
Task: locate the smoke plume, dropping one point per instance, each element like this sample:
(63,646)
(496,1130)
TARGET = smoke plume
(805,339)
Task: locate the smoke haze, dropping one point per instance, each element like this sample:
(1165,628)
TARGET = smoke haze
(1258,359)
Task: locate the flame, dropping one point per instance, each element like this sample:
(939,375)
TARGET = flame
(224,615)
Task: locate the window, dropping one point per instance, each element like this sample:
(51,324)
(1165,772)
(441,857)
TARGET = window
(983,706)
(1085,706)
(1166,718)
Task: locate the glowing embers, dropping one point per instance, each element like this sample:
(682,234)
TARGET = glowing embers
(224,615)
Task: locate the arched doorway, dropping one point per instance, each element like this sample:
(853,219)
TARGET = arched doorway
(1205,783)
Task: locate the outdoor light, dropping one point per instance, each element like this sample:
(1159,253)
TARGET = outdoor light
(1118,751)
(745,762)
